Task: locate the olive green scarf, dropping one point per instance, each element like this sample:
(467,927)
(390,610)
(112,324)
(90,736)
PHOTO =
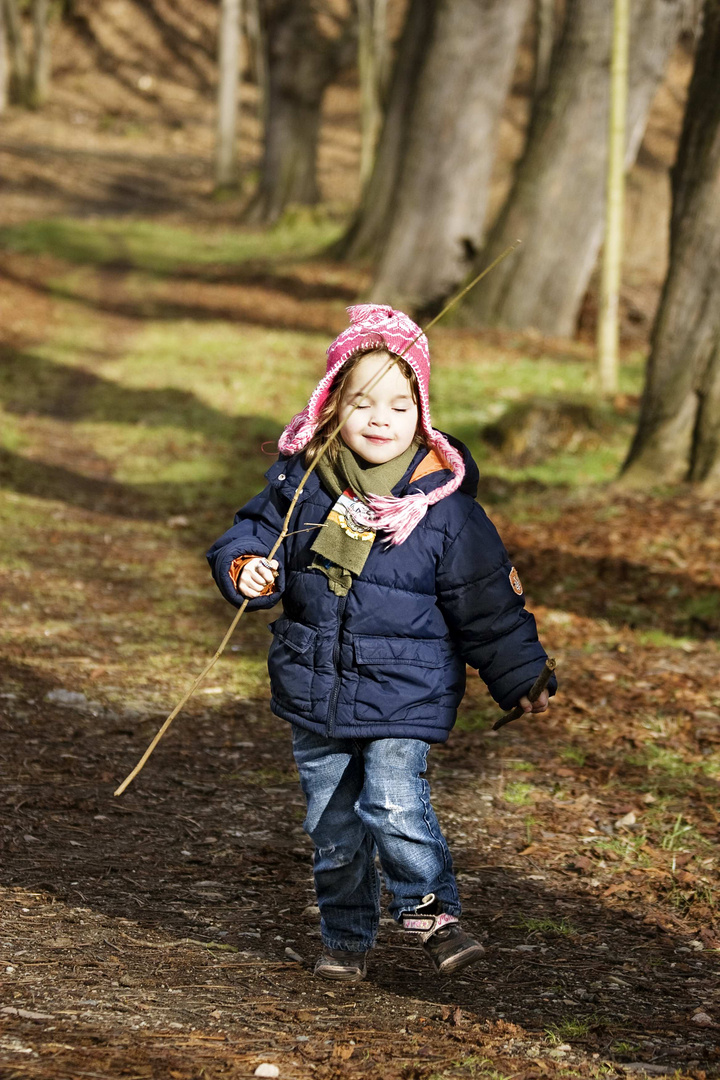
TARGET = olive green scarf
(344,541)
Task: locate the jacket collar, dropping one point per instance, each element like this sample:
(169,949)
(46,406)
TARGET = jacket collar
(287,472)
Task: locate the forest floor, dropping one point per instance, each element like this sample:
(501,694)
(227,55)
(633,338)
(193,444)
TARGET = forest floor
(148,935)
(149,348)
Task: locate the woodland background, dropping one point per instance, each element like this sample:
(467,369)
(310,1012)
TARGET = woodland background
(166,297)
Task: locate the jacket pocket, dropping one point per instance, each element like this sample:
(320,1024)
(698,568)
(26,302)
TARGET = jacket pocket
(396,675)
(291,662)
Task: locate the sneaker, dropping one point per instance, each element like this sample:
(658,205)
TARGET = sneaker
(341,965)
(449,947)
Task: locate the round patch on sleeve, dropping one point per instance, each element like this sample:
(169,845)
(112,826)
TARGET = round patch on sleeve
(515,581)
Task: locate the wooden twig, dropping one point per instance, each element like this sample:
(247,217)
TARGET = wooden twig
(370,385)
(533,694)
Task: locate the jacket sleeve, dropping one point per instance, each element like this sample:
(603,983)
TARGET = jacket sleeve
(256,528)
(487,617)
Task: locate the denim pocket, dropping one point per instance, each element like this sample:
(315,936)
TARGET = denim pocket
(291,661)
(398,674)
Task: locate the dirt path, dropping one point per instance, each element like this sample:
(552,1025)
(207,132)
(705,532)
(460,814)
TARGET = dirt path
(148,936)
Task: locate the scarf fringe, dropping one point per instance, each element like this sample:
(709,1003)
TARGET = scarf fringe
(398,517)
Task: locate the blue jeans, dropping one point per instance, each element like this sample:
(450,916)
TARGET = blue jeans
(363,796)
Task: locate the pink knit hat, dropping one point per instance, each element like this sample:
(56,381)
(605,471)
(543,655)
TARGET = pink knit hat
(375,326)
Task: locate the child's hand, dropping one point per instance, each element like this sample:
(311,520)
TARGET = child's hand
(540,705)
(256,576)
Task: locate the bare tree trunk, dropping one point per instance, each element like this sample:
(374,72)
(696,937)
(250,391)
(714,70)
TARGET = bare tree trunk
(372,29)
(301,63)
(227,93)
(258,58)
(678,436)
(19,69)
(4,61)
(556,203)
(609,323)
(544,39)
(440,205)
(364,239)
(39,81)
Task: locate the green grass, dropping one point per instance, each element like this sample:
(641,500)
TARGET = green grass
(676,836)
(572,1027)
(164,249)
(626,849)
(518,793)
(573,755)
(477,718)
(554,927)
(624,1049)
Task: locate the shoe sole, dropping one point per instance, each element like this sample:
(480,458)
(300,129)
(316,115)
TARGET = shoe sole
(340,975)
(462,960)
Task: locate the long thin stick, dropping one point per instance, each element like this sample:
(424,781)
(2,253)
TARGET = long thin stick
(284,532)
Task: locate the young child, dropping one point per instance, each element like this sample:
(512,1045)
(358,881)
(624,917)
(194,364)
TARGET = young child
(392,580)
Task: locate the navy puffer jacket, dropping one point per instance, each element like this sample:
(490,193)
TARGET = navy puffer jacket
(387,660)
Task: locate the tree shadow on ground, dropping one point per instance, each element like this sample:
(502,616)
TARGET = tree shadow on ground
(146,502)
(32,385)
(207,844)
(108,62)
(300,306)
(623,592)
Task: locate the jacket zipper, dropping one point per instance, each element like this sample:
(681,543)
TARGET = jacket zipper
(335,693)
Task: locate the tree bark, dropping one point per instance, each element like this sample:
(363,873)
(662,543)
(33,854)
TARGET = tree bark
(18,82)
(555,205)
(258,57)
(372,29)
(678,435)
(302,59)
(227,93)
(439,209)
(364,239)
(544,39)
(4,61)
(39,76)
(609,321)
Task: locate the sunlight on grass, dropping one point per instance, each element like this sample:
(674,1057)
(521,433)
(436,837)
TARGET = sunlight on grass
(164,249)
(519,793)
(624,849)
(662,640)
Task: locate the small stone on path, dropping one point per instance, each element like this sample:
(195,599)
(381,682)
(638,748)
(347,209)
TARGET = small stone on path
(703,1020)
(266,1069)
(67,698)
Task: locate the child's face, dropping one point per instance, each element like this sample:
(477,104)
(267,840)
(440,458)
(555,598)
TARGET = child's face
(384,423)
